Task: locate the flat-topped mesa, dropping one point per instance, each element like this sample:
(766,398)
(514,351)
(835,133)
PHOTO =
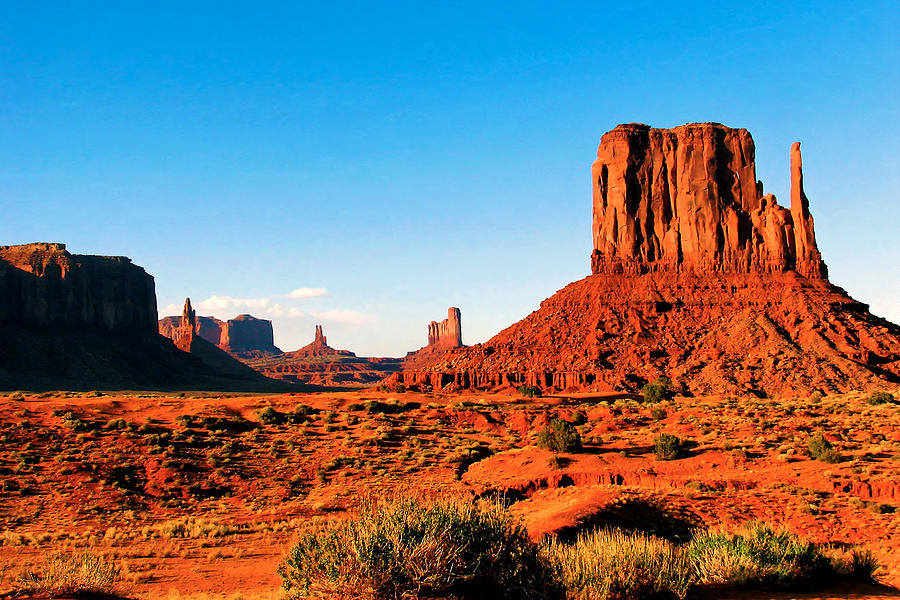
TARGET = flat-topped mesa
(687,200)
(43,285)
(246,333)
(447,333)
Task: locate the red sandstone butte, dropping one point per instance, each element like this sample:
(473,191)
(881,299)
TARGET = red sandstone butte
(244,336)
(447,333)
(696,274)
(70,320)
(442,337)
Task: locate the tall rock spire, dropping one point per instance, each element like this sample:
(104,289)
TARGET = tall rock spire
(808,259)
(188,315)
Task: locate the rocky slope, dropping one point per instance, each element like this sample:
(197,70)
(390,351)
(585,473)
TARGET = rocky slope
(698,275)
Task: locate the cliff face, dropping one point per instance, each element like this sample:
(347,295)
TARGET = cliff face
(245,336)
(687,200)
(69,321)
(442,337)
(447,333)
(44,286)
(246,333)
(697,275)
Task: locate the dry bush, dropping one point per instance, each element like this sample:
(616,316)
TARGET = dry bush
(610,563)
(60,574)
(408,548)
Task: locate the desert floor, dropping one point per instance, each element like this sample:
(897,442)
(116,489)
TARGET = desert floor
(196,496)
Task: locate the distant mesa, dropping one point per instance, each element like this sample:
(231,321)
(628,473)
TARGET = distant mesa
(73,321)
(245,336)
(697,274)
(318,363)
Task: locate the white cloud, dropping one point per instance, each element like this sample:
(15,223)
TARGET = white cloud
(307,292)
(170,310)
(343,316)
(226,302)
(294,313)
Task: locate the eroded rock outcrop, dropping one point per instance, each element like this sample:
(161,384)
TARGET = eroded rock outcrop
(698,275)
(447,333)
(209,328)
(687,200)
(43,285)
(245,336)
(70,321)
(442,337)
(319,363)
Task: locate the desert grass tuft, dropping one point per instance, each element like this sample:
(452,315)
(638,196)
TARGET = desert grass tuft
(414,548)
(62,574)
(610,563)
(759,555)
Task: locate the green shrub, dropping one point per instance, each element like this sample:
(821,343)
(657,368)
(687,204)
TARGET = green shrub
(667,447)
(410,548)
(659,413)
(880,398)
(821,449)
(270,416)
(559,436)
(658,390)
(530,391)
(607,564)
(760,556)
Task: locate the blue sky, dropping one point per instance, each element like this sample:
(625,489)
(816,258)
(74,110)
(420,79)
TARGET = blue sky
(390,161)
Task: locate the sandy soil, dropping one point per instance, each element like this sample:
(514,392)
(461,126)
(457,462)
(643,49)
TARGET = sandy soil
(196,498)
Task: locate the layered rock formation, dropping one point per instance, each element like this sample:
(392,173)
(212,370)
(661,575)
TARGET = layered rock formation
(687,200)
(442,337)
(245,336)
(319,363)
(698,275)
(76,321)
(43,285)
(447,333)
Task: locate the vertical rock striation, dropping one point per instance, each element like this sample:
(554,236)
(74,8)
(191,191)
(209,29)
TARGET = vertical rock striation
(43,285)
(448,333)
(687,200)
(246,333)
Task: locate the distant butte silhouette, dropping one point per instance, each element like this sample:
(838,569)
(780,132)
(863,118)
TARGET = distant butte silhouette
(71,321)
(697,274)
